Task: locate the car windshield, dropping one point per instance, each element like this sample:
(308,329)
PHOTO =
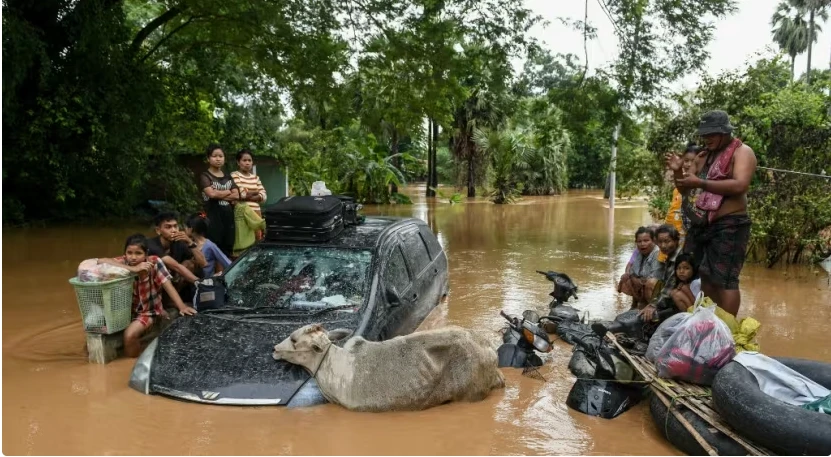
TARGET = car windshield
(303,278)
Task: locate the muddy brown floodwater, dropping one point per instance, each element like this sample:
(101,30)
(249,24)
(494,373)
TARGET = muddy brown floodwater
(54,402)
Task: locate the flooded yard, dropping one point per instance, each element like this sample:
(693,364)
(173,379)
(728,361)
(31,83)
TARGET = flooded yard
(54,402)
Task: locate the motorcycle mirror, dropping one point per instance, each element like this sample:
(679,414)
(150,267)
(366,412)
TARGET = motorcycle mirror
(531,316)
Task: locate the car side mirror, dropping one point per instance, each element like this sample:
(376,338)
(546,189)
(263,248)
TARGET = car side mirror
(392,296)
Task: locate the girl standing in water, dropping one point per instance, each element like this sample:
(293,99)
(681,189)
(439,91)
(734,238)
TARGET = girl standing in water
(218,193)
(251,188)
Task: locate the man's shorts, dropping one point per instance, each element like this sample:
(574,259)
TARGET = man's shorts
(719,249)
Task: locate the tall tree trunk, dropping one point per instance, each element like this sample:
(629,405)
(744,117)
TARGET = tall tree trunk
(395,161)
(430,161)
(434,174)
(471,181)
(793,63)
(810,44)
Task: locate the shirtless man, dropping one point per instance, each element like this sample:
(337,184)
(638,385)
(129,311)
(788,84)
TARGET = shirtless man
(715,206)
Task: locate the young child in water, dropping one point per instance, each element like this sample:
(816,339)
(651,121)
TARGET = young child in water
(147,290)
(684,275)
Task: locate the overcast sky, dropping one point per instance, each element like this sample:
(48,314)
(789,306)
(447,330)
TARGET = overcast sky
(737,39)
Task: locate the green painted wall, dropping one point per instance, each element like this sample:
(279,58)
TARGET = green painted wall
(275,179)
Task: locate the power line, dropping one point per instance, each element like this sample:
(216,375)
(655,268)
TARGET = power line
(609,16)
(602,6)
(815,175)
(778,170)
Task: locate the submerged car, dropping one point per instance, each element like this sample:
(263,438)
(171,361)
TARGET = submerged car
(379,279)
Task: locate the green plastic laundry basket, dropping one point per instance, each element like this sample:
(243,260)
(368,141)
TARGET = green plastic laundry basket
(105,306)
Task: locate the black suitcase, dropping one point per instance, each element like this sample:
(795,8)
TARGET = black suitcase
(304,218)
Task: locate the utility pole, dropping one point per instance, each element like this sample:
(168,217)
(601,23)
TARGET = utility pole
(613,168)
(627,99)
(430,164)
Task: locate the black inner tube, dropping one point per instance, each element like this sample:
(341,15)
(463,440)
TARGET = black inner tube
(670,427)
(784,429)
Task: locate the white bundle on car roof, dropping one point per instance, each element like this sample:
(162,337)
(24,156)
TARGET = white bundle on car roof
(319,189)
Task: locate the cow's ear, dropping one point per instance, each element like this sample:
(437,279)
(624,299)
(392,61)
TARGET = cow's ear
(339,334)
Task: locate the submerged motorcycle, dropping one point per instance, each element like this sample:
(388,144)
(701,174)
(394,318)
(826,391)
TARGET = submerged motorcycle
(558,310)
(521,339)
(563,319)
(602,386)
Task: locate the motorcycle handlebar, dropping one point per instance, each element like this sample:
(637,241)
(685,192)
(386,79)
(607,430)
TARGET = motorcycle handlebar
(511,320)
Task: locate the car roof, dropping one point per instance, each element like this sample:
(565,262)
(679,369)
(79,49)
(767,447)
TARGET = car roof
(362,236)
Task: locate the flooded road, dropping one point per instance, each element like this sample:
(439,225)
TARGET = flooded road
(54,402)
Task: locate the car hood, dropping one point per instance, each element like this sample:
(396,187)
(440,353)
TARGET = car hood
(215,358)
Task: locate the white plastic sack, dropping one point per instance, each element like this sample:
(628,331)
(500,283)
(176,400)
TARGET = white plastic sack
(663,333)
(695,287)
(700,346)
(94,319)
(781,382)
(319,189)
(91,271)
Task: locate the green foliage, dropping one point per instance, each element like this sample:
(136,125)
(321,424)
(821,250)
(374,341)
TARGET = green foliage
(661,41)
(486,106)
(591,111)
(508,154)
(348,159)
(793,127)
(98,93)
(659,202)
(545,170)
(453,199)
(445,166)
(102,97)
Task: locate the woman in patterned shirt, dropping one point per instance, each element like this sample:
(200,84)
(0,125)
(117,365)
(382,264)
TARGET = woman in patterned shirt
(147,291)
(251,188)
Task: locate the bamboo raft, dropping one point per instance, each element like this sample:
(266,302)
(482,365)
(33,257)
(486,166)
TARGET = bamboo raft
(697,399)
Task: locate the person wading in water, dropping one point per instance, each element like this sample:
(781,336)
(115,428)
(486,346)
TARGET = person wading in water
(715,204)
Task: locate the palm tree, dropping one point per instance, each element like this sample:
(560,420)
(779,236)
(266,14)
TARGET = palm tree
(508,152)
(816,9)
(790,31)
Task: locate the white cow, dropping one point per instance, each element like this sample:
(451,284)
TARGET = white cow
(411,372)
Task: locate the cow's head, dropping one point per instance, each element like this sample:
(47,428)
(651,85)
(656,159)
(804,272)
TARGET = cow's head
(307,345)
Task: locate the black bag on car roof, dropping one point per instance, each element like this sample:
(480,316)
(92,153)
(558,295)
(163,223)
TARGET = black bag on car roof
(304,218)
